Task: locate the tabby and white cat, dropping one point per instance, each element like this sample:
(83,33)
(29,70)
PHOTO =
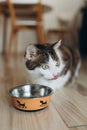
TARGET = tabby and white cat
(54,65)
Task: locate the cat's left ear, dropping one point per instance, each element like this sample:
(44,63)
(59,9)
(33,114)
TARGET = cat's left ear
(32,52)
(57,45)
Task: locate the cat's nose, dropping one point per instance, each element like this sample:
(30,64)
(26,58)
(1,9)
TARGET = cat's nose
(56,76)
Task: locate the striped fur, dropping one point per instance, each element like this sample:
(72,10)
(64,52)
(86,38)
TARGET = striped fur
(67,69)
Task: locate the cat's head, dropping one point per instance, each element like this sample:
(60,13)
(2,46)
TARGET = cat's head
(50,60)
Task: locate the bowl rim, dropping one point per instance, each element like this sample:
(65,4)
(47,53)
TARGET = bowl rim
(19,86)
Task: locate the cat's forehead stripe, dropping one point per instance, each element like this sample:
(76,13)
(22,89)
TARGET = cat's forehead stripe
(44,57)
(48,49)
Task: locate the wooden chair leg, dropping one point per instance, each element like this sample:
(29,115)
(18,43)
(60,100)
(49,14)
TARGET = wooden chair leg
(10,42)
(73,38)
(41,34)
(4,34)
(16,43)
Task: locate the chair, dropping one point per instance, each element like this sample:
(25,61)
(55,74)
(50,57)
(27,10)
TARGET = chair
(34,21)
(66,29)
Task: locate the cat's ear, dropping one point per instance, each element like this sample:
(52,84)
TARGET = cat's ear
(31,52)
(57,44)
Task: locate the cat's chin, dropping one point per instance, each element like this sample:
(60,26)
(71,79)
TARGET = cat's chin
(54,78)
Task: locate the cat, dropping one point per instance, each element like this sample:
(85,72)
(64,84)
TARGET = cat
(54,65)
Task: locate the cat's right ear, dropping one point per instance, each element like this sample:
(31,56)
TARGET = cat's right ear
(31,52)
(57,44)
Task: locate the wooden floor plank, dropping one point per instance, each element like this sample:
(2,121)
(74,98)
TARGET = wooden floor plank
(67,110)
(72,106)
(71,102)
(13,119)
(79,128)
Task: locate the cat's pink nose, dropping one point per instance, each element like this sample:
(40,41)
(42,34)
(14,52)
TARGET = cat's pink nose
(55,76)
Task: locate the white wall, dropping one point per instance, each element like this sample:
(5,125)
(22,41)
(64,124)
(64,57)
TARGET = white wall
(59,9)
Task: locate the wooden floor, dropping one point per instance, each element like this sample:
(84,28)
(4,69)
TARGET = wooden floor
(67,110)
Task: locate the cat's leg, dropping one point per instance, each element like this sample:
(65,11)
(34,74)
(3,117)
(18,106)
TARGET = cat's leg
(73,83)
(76,75)
(77,70)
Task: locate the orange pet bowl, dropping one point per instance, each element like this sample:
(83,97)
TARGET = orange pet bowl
(31,97)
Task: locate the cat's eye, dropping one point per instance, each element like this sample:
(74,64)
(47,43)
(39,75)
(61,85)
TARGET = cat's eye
(57,64)
(44,66)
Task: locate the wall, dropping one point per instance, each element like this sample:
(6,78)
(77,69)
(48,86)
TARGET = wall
(59,9)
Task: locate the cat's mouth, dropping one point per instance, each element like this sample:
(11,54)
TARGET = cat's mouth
(55,77)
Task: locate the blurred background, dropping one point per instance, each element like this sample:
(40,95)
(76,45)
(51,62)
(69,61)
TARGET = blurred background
(59,18)
(41,21)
